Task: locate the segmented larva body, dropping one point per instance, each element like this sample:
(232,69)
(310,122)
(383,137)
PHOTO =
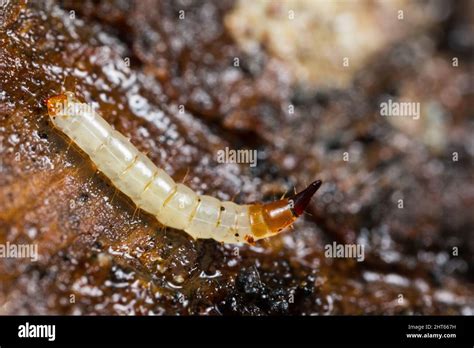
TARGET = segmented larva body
(151,189)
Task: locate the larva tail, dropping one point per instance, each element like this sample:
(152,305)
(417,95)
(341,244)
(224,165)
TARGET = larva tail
(302,199)
(271,218)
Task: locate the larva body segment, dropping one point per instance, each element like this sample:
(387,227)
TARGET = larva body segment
(136,177)
(227,226)
(179,207)
(205,218)
(153,190)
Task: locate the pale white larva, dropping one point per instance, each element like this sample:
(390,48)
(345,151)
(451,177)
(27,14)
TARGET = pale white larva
(151,189)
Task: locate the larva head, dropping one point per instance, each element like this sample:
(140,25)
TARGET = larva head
(280,214)
(58,104)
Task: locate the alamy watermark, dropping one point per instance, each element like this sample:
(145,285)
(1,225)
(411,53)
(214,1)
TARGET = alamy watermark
(19,251)
(237,156)
(345,251)
(66,108)
(392,108)
(28,330)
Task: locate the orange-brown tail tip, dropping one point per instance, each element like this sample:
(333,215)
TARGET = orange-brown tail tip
(302,199)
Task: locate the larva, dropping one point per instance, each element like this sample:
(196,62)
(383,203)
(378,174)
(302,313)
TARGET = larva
(151,189)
